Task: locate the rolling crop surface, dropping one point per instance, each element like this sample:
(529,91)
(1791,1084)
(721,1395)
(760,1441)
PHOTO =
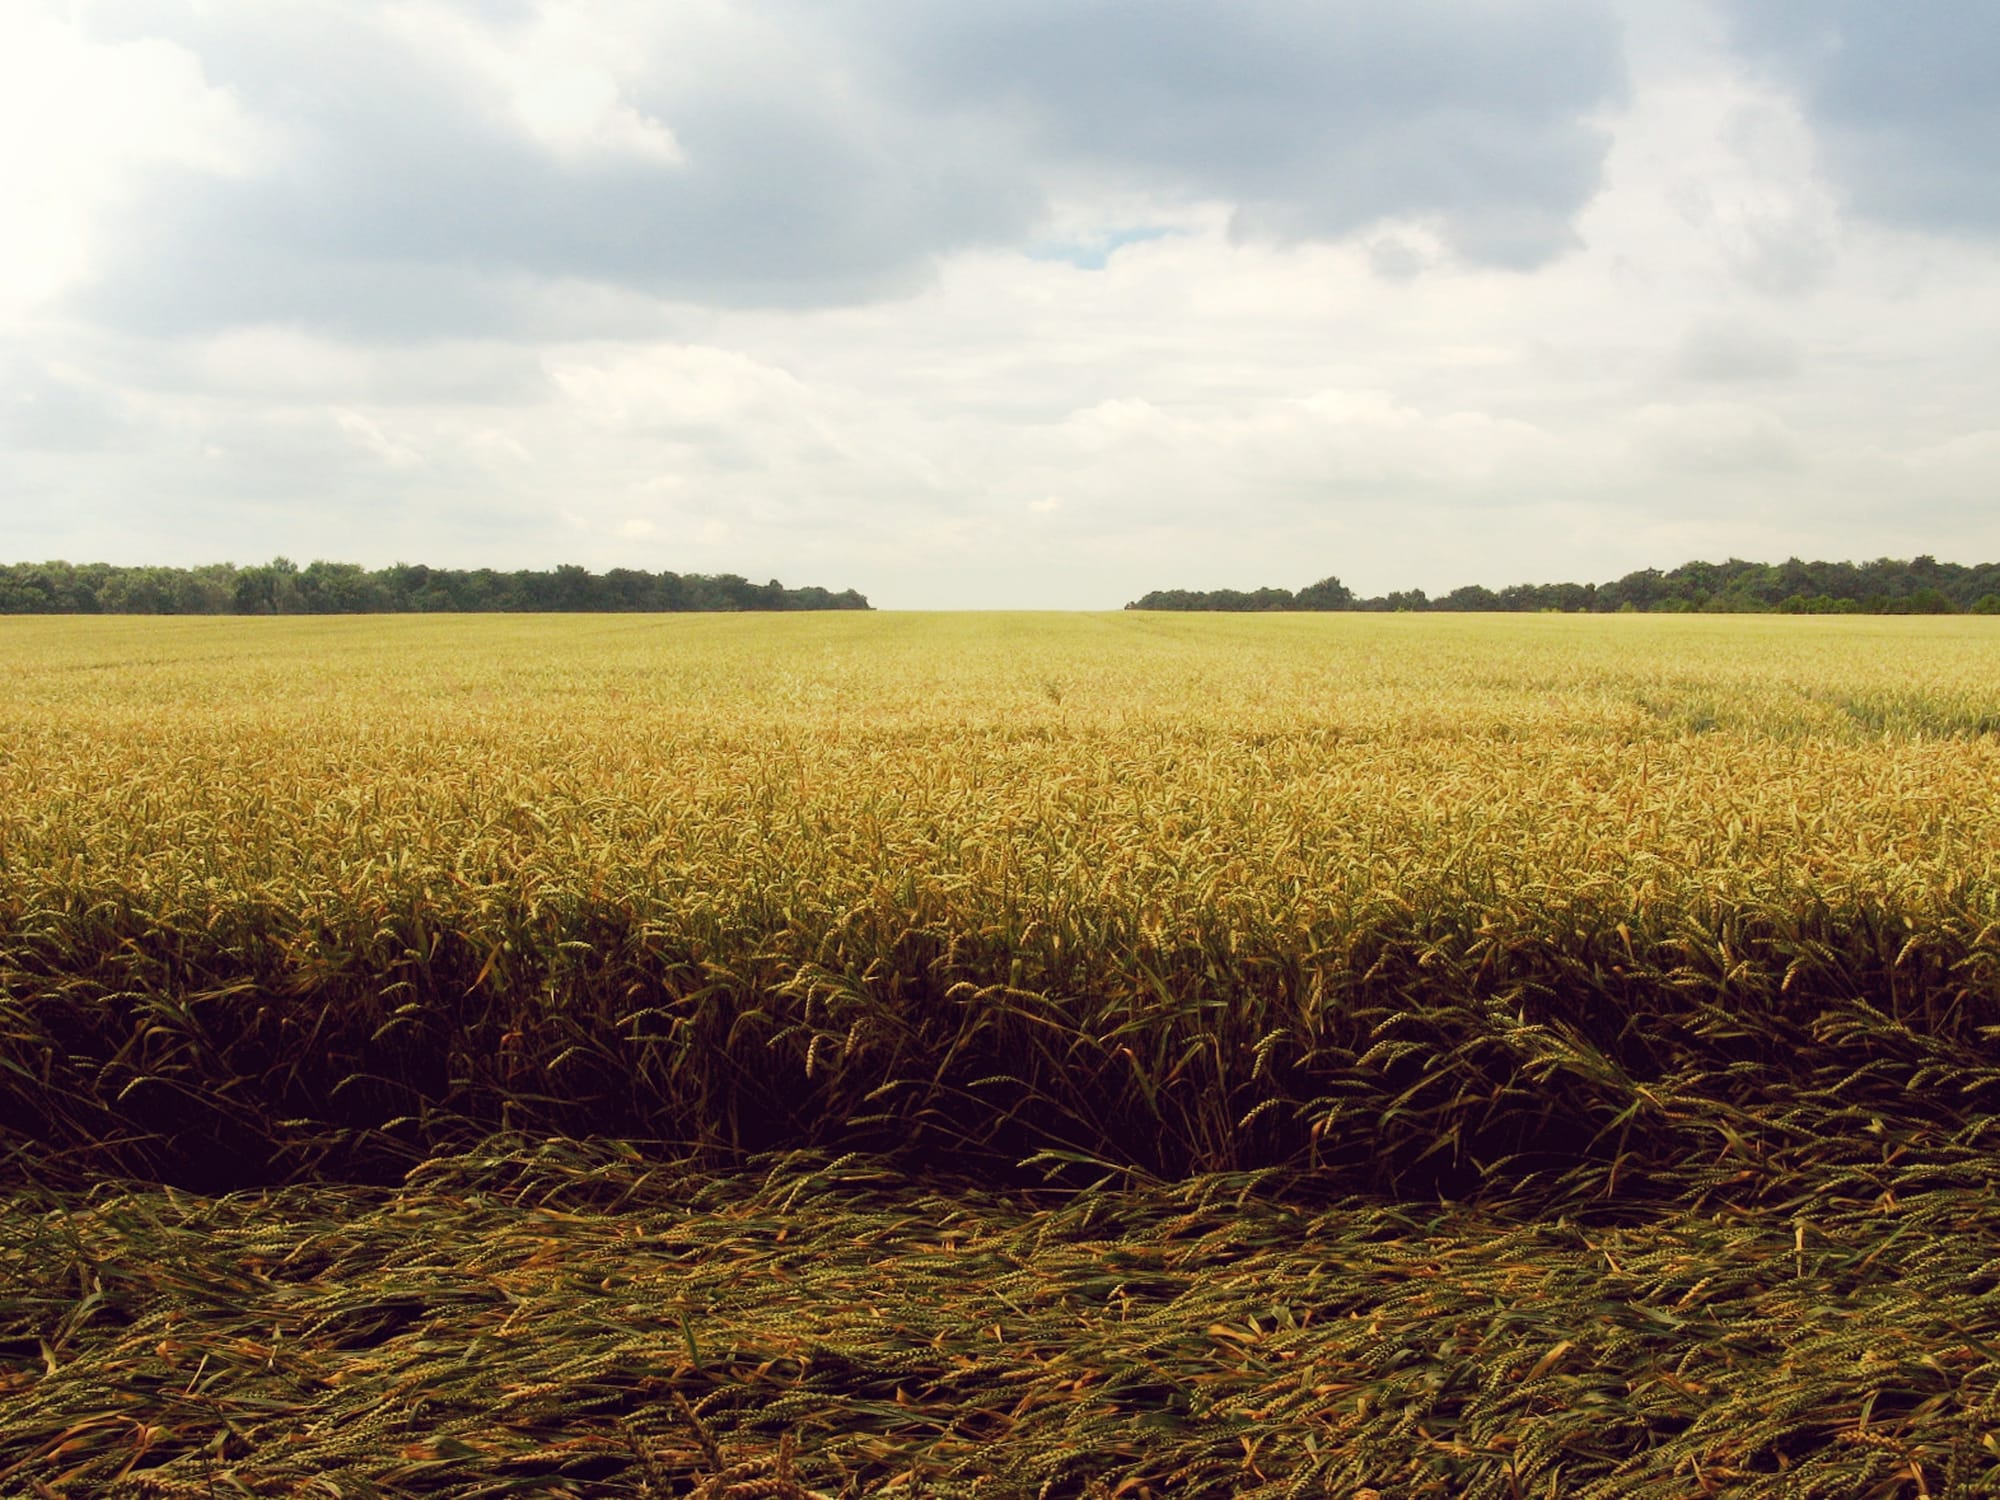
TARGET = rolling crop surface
(1000,1055)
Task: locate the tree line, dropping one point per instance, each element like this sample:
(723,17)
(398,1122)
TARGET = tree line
(281,587)
(1886,586)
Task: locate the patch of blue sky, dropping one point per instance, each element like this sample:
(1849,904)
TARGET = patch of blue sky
(1095,252)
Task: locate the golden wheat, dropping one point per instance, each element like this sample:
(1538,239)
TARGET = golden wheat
(1665,950)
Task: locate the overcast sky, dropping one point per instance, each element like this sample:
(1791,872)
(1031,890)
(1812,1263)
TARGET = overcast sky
(1028,303)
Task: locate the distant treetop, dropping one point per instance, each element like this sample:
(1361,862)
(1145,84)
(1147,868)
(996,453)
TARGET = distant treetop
(1887,586)
(281,587)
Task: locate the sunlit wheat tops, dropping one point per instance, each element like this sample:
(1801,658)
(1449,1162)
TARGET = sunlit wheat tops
(840,880)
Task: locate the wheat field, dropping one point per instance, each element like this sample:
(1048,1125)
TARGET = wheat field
(1000,1055)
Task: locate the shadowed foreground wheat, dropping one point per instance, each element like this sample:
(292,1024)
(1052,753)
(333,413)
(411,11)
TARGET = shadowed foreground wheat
(577,1321)
(1477,1056)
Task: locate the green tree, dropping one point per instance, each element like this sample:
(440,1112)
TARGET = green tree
(1328,593)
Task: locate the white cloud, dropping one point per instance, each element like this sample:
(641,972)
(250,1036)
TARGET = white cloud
(368,437)
(85,123)
(1717,350)
(562,77)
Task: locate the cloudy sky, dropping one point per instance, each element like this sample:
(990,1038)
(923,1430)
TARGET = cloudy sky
(1040,303)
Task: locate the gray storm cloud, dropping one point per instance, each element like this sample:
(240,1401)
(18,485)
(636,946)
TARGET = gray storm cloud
(405,200)
(1312,120)
(829,154)
(1902,98)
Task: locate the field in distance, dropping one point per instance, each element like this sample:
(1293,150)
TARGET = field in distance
(1525,944)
